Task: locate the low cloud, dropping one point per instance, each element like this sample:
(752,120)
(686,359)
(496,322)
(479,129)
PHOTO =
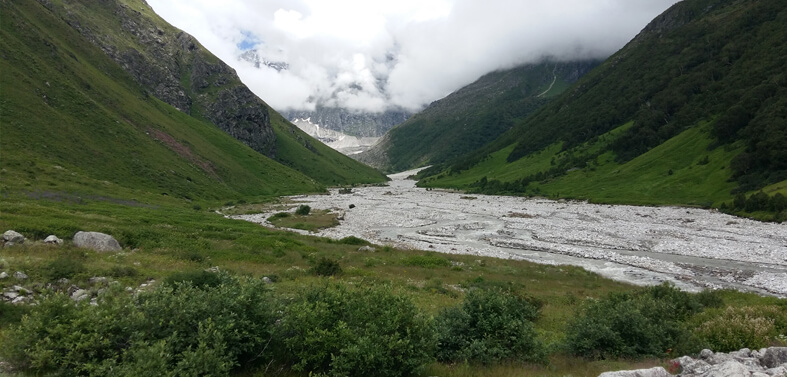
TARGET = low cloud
(371,56)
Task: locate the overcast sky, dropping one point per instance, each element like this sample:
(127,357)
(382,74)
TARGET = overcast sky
(374,54)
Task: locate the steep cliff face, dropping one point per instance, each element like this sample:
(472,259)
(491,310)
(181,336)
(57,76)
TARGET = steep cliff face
(172,66)
(353,123)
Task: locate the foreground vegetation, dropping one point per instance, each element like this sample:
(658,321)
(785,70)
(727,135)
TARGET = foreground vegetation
(327,307)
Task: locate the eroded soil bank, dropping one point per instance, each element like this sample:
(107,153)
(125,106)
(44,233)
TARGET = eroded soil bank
(692,248)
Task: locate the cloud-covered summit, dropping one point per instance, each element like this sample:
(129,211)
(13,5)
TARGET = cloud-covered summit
(375,55)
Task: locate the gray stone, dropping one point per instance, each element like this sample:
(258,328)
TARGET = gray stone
(267,280)
(80,294)
(10,295)
(52,239)
(96,241)
(652,372)
(98,280)
(778,371)
(20,275)
(13,237)
(729,368)
(706,353)
(367,249)
(774,357)
(19,300)
(3,275)
(689,365)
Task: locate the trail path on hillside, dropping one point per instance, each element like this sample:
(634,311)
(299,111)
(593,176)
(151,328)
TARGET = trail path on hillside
(692,248)
(554,78)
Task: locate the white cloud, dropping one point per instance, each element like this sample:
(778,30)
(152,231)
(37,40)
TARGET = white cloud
(369,55)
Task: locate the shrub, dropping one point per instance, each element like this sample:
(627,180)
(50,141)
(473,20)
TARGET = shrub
(327,267)
(490,325)
(65,266)
(352,240)
(369,331)
(731,329)
(644,323)
(303,210)
(188,331)
(122,271)
(198,278)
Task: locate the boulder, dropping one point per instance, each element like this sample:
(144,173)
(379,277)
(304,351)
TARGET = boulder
(20,275)
(367,249)
(652,372)
(52,239)
(729,368)
(3,275)
(774,357)
(80,294)
(13,237)
(96,241)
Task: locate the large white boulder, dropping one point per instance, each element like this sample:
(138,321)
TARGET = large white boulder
(96,241)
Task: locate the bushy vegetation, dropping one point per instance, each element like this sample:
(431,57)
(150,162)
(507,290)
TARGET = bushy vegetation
(343,331)
(649,322)
(171,330)
(731,328)
(758,202)
(489,326)
(327,267)
(303,210)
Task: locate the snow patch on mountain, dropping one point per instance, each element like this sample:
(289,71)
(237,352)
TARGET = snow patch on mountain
(339,141)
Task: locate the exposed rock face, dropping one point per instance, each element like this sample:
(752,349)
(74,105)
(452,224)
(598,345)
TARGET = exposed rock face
(353,123)
(96,241)
(53,239)
(172,66)
(767,362)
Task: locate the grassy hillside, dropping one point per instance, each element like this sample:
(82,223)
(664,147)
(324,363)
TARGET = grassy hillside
(467,119)
(74,121)
(700,92)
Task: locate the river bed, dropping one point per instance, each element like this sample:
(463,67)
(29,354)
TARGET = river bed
(692,248)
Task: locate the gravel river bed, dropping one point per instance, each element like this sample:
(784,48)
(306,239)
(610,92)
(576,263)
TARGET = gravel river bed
(692,248)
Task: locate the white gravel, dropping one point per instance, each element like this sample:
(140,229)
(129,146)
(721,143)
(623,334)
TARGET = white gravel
(693,248)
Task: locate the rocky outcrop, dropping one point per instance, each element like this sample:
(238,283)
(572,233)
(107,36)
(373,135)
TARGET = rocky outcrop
(767,362)
(172,66)
(96,241)
(353,123)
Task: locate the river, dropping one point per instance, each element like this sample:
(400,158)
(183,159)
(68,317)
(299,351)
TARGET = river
(691,248)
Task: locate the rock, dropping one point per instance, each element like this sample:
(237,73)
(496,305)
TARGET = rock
(10,295)
(652,372)
(3,275)
(13,237)
(63,281)
(705,354)
(352,206)
(80,294)
(367,248)
(20,275)
(267,280)
(96,241)
(729,368)
(52,239)
(214,269)
(774,357)
(98,280)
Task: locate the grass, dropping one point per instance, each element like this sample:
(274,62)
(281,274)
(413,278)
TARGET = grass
(681,171)
(312,222)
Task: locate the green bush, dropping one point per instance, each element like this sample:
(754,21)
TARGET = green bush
(644,323)
(369,331)
(188,331)
(730,329)
(352,240)
(198,278)
(303,210)
(327,267)
(65,266)
(489,326)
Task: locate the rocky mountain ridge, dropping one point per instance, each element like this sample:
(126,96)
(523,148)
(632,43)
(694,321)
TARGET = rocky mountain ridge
(172,66)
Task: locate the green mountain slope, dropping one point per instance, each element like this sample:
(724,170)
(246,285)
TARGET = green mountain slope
(467,119)
(73,120)
(702,87)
